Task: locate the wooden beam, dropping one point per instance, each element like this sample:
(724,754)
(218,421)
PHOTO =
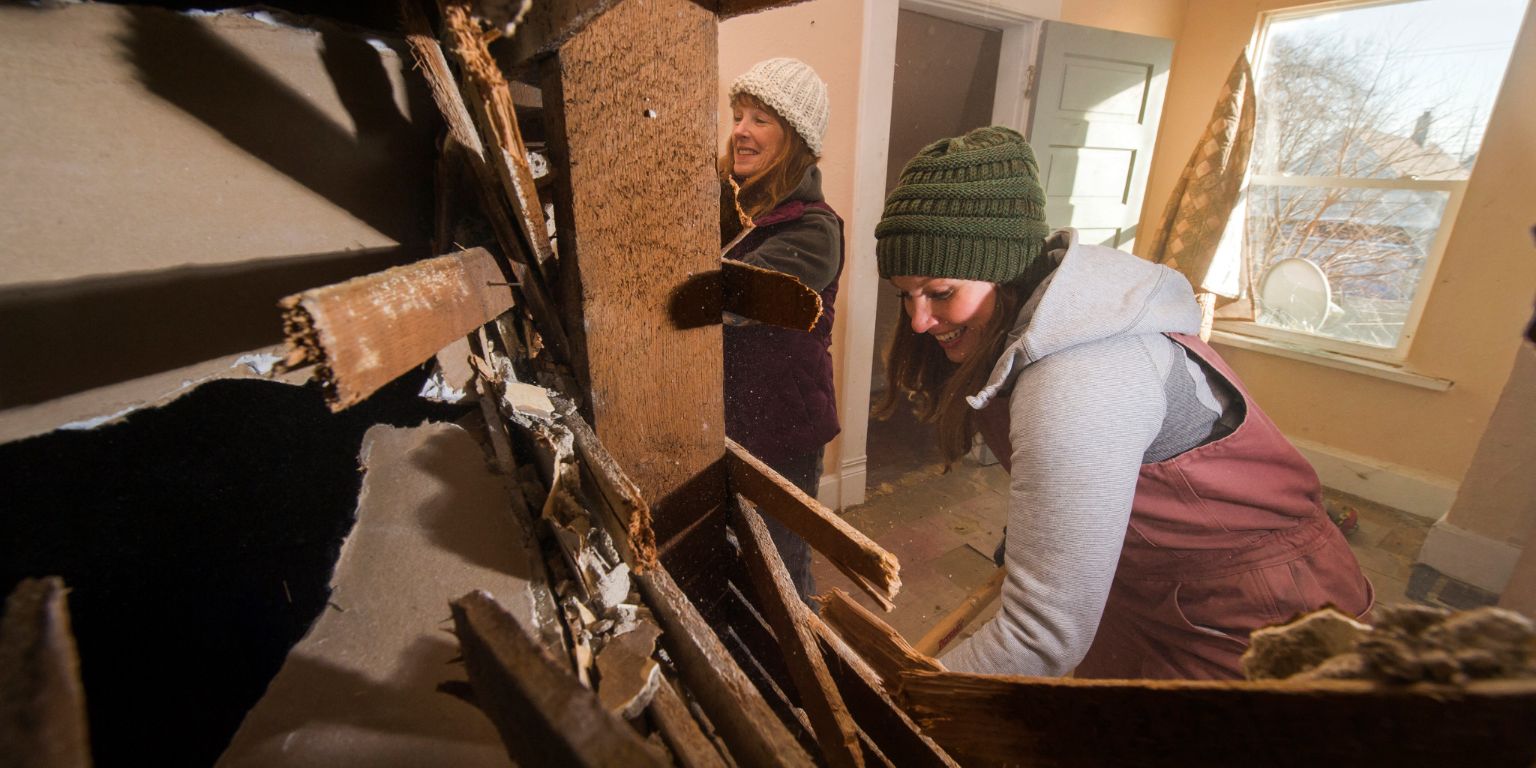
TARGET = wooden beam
(365,332)
(42,704)
(887,653)
(544,716)
(868,564)
(1002,720)
(740,714)
(630,107)
(790,620)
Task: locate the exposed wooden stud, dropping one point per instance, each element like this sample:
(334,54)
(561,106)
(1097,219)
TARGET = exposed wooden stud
(867,563)
(42,704)
(630,104)
(790,619)
(367,331)
(945,630)
(545,717)
(681,731)
(740,714)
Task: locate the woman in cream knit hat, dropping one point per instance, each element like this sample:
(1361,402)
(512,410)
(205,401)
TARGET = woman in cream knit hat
(779,402)
(1156,516)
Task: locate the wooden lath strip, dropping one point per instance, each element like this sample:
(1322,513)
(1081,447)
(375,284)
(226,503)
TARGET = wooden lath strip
(768,296)
(622,496)
(870,566)
(367,331)
(790,619)
(491,103)
(544,715)
(887,653)
(494,200)
(1005,720)
(740,714)
(681,731)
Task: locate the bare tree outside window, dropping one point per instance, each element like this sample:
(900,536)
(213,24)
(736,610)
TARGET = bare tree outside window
(1370,118)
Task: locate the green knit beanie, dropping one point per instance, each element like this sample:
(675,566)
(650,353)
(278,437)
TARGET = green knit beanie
(969,207)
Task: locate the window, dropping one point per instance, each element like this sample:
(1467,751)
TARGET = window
(1370,117)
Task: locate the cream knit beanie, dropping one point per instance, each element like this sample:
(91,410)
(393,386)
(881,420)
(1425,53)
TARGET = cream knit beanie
(794,91)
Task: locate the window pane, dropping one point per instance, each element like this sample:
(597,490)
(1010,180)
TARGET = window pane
(1395,95)
(1369,247)
(1382,91)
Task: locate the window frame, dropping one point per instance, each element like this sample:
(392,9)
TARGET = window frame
(1456,189)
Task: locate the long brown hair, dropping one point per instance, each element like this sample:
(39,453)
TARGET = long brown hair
(762,191)
(917,372)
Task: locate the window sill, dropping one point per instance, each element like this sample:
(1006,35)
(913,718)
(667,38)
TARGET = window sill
(1328,359)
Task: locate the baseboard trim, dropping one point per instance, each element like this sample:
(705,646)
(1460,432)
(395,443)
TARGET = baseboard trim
(1413,492)
(1469,557)
(845,488)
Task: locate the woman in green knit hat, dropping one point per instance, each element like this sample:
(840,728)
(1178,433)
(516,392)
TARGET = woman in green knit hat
(1156,515)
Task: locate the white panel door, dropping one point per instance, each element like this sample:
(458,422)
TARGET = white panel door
(1093,124)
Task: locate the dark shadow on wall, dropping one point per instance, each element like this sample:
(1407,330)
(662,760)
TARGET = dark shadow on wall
(382,170)
(198,542)
(62,338)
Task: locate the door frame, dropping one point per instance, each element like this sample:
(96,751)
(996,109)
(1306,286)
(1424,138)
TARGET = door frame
(1019,21)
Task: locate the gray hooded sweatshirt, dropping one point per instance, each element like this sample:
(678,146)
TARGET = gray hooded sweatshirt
(1094,390)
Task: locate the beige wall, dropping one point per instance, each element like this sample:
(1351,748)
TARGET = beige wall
(1481,296)
(1158,18)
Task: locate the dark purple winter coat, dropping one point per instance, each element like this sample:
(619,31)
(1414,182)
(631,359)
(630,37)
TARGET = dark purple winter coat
(779,400)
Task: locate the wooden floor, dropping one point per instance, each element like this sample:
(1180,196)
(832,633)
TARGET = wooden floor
(944,527)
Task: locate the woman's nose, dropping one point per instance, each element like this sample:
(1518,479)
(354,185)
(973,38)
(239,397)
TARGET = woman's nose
(739,128)
(922,319)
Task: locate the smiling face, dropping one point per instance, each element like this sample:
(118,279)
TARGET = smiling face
(951,311)
(757,137)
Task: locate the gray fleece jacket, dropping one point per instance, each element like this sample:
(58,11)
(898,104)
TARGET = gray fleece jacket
(1094,390)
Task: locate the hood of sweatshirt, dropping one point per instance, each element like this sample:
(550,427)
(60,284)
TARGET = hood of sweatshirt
(1094,293)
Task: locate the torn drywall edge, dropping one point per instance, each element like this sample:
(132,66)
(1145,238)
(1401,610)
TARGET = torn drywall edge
(107,405)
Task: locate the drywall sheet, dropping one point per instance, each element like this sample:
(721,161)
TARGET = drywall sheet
(136,139)
(166,178)
(362,687)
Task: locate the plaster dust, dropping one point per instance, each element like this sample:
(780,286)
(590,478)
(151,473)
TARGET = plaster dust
(361,688)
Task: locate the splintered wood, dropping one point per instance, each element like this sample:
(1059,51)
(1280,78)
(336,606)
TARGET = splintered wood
(1009,720)
(501,203)
(866,563)
(768,296)
(366,332)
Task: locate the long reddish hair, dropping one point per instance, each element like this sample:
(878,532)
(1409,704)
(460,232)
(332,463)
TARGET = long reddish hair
(762,191)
